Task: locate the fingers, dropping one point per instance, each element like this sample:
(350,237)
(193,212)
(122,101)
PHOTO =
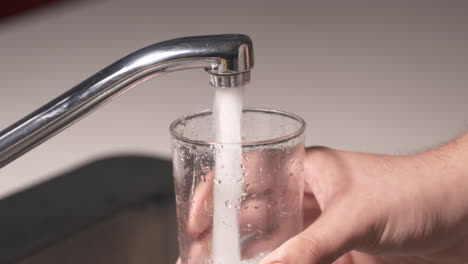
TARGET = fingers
(328,235)
(259,174)
(201,207)
(311,209)
(266,240)
(323,242)
(254,214)
(324,172)
(259,180)
(272,191)
(200,248)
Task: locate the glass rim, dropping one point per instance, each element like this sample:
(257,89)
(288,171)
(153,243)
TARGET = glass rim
(275,140)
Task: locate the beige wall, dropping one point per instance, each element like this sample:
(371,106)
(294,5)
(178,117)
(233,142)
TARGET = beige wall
(369,76)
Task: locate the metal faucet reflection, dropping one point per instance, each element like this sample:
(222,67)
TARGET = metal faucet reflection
(227,58)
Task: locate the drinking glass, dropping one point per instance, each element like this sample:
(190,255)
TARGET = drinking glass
(243,217)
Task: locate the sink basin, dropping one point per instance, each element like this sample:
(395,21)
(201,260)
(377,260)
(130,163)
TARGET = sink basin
(113,210)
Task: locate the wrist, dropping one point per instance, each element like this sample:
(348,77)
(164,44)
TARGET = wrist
(446,169)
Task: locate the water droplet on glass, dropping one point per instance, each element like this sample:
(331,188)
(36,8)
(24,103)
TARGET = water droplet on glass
(246,158)
(228,203)
(244,196)
(218,181)
(242,166)
(292,160)
(260,169)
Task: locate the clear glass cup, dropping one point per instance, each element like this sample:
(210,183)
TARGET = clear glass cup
(250,214)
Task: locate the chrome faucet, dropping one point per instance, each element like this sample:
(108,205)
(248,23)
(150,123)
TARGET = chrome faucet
(227,58)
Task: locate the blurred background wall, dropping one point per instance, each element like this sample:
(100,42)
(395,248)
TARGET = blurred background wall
(379,76)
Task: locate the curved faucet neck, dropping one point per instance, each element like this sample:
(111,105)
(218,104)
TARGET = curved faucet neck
(227,58)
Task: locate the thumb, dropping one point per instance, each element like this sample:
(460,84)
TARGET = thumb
(323,242)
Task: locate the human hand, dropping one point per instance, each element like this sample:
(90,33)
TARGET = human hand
(379,209)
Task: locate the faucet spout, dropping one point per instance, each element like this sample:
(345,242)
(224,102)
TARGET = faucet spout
(227,58)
